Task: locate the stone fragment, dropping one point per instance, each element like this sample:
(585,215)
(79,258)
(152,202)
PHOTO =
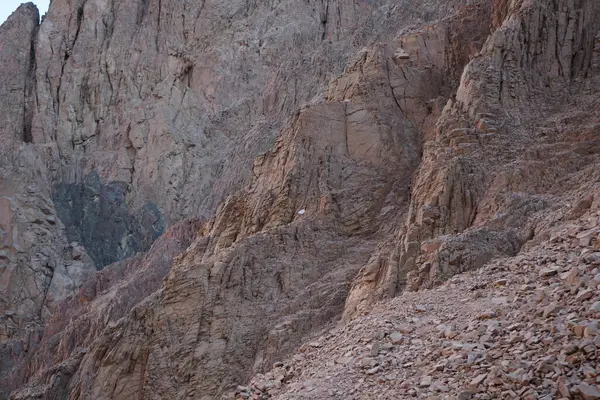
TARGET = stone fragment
(374,370)
(548,272)
(404,328)
(425,381)
(584,295)
(551,309)
(591,330)
(562,387)
(396,338)
(375,347)
(570,277)
(587,392)
(465,395)
(478,380)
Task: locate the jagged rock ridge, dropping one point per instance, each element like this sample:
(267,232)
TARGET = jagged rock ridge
(420,141)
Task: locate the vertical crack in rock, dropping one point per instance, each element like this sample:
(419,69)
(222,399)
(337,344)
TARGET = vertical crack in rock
(324,20)
(30,90)
(17,87)
(142,11)
(69,49)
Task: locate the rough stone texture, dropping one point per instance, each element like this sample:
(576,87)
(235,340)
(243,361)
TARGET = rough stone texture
(483,334)
(503,153)
(38,266)
(414,141)
(183,95)
(98,304)
(170,99)
(16,56)
(97,216)
(338,161)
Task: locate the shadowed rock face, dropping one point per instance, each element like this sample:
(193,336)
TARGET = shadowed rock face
(340,152)
(96,215)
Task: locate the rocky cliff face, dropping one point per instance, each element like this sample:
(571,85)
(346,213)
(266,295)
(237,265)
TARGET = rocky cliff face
(190,189)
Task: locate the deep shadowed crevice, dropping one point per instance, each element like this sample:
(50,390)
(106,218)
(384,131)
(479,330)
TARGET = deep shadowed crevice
(324,20)
(142,11)
(30,90)
(79,19)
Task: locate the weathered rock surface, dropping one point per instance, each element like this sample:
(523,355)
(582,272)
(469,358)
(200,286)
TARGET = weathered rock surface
(98,304)
(125,118)
(97,216)
(504,154)
(395,145)
(481,335)
(38,265)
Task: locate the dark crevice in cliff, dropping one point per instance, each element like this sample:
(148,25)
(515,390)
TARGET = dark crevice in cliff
(68,51)
(79,19)
(389,82)
(30,91)
(141,12)
(324,19)
(158,27)
(49,276)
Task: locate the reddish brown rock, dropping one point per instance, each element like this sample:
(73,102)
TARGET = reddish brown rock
(396,145)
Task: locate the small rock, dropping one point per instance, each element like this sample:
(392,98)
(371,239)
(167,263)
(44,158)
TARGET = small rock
(592,258)
(570,277)
(406,329)
(586,391)
(488,314)
(465,395)
(551,309)
(586,238)
(440,366)
(373,370)
(591,330)
(425,381)
(519,376)
(578,330)
(561,386)
(375,349)
(401,54)
(396,338)
(584,295)
(419,308)
(450,333)
(478,380)
(548,272)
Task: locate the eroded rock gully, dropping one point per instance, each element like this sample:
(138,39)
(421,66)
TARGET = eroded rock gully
(156,156)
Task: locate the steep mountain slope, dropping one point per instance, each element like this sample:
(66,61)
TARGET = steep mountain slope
(126,118)
(395,144)
(517,141)
(521,327)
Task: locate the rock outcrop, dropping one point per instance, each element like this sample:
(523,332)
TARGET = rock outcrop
(39,267)
(501,155)
(520,327)
(191,190)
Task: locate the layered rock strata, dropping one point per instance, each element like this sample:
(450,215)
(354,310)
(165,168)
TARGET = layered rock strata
(392,148)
